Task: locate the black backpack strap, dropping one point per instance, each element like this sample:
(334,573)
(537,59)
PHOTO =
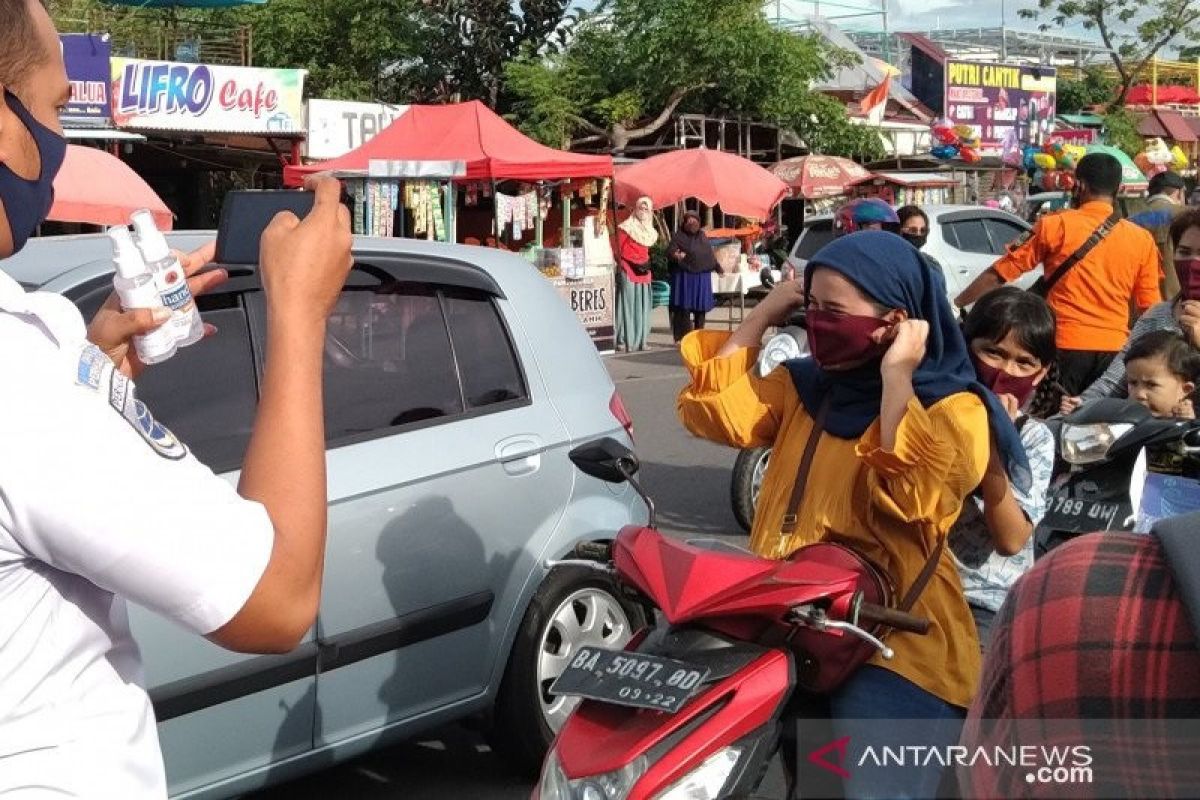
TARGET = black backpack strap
(1180,538)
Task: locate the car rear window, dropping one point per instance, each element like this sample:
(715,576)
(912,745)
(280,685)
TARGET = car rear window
(487,362)
(1002,232)
(815,236)
(968,235)
(415,354)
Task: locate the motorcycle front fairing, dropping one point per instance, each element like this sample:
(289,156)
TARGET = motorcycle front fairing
(736,714)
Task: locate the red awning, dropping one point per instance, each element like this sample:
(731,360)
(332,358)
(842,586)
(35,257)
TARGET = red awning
(1168,125)
(96,188)
(471,133)
(715,178)
(1144,95)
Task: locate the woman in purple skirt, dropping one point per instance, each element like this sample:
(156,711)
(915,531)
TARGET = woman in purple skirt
(692,261)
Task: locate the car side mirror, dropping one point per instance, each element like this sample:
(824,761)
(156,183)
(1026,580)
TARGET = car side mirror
(605,459)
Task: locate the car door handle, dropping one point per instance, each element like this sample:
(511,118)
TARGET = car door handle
(520,455)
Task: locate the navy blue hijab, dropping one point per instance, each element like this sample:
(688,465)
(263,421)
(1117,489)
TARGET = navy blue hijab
(894,274)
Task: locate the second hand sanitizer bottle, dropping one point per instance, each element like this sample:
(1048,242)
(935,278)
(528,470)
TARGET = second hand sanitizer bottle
(172,282)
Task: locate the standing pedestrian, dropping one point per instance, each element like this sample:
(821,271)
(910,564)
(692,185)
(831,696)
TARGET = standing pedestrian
(635,237)
(693,261)
(96,511)
(1095,265)
(1163,206)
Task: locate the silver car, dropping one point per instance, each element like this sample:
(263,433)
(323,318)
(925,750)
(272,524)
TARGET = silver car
(457,380)
(965,240)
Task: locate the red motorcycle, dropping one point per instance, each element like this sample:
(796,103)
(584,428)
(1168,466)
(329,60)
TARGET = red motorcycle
(694,708)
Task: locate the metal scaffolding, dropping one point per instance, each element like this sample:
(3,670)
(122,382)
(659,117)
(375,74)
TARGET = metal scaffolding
(991,44)
(794,14)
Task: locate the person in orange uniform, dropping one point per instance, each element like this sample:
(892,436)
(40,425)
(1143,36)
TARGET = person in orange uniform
(905,439)
(1091,302)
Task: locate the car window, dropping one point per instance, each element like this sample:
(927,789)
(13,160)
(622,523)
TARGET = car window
(207,393)
(815,236)
(388,361)
(1001,231)
(968,235)
(487,362)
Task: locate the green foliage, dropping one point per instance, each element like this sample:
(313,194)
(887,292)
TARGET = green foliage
(346,48)
(1134,30)
(1120,130)
(1093,89)
(627,68)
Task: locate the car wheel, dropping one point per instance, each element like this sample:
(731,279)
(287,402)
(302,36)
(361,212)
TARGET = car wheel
(748,472)
(573,607)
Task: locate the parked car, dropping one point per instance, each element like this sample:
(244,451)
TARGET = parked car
(457,381)
(1045,202)
(965,240)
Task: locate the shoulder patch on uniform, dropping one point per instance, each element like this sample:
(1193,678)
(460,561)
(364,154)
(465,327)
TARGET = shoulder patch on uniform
(122,396)
(93,367)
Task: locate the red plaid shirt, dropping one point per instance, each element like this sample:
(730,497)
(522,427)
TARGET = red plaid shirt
(1093,647)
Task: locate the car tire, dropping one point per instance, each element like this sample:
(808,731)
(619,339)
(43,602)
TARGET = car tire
(573,606)
(748,472)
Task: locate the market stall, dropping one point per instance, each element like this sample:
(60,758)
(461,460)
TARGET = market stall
(460,173)
(904,188)
(735,185)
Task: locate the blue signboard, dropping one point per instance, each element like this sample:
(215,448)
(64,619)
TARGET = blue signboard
(87,58)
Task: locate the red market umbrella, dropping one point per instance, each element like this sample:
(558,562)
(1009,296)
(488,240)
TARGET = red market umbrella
(812,177)
(740,187)
(96,188)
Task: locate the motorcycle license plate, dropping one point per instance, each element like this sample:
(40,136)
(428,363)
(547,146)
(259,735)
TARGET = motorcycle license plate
(624,678)
(1080,516)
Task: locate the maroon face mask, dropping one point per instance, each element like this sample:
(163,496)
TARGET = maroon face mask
(1188,270)
(840,339)
(1000,382)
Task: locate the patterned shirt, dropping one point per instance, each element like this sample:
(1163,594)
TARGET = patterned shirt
(1094,647)
(1160,317)
(986,575)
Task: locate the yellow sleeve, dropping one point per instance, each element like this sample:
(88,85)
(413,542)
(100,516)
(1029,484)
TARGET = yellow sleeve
(726,401)
(940,456)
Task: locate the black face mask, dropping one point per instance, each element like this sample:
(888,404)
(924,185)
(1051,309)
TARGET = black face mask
(917,240)
(27,202)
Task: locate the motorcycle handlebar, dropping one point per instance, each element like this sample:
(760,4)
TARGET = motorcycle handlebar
(872,614)
(594,551)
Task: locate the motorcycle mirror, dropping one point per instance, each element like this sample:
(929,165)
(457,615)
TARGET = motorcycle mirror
(605,459)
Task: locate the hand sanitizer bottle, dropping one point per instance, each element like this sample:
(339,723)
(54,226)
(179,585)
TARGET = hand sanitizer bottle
(137,288)
(172,283)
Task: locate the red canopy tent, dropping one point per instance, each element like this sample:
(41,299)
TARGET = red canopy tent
(470,133)
(1144,95)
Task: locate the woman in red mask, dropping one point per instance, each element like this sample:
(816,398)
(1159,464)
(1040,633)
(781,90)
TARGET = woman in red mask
(903,433)
(1011,336)
(1180,314)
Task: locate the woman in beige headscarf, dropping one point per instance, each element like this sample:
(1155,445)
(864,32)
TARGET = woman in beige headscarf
(635,236)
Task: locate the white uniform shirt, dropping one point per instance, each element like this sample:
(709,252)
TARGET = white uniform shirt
(98,504)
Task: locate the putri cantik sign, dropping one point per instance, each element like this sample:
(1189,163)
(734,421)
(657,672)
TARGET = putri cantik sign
(167,95)
(335,127)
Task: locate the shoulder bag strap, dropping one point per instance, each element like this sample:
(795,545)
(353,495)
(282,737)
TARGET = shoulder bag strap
(810,450)
(1093,240)
(791,518)
(926,574)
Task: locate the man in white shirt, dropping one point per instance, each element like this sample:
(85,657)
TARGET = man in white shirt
(99,503)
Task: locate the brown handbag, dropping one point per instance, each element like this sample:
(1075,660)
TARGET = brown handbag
(825,661)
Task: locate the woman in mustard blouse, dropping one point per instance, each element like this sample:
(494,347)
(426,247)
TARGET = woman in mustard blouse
(907,437)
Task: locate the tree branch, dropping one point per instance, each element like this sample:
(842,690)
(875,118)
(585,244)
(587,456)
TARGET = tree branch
(589,140)
(673,102)
(587,125)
